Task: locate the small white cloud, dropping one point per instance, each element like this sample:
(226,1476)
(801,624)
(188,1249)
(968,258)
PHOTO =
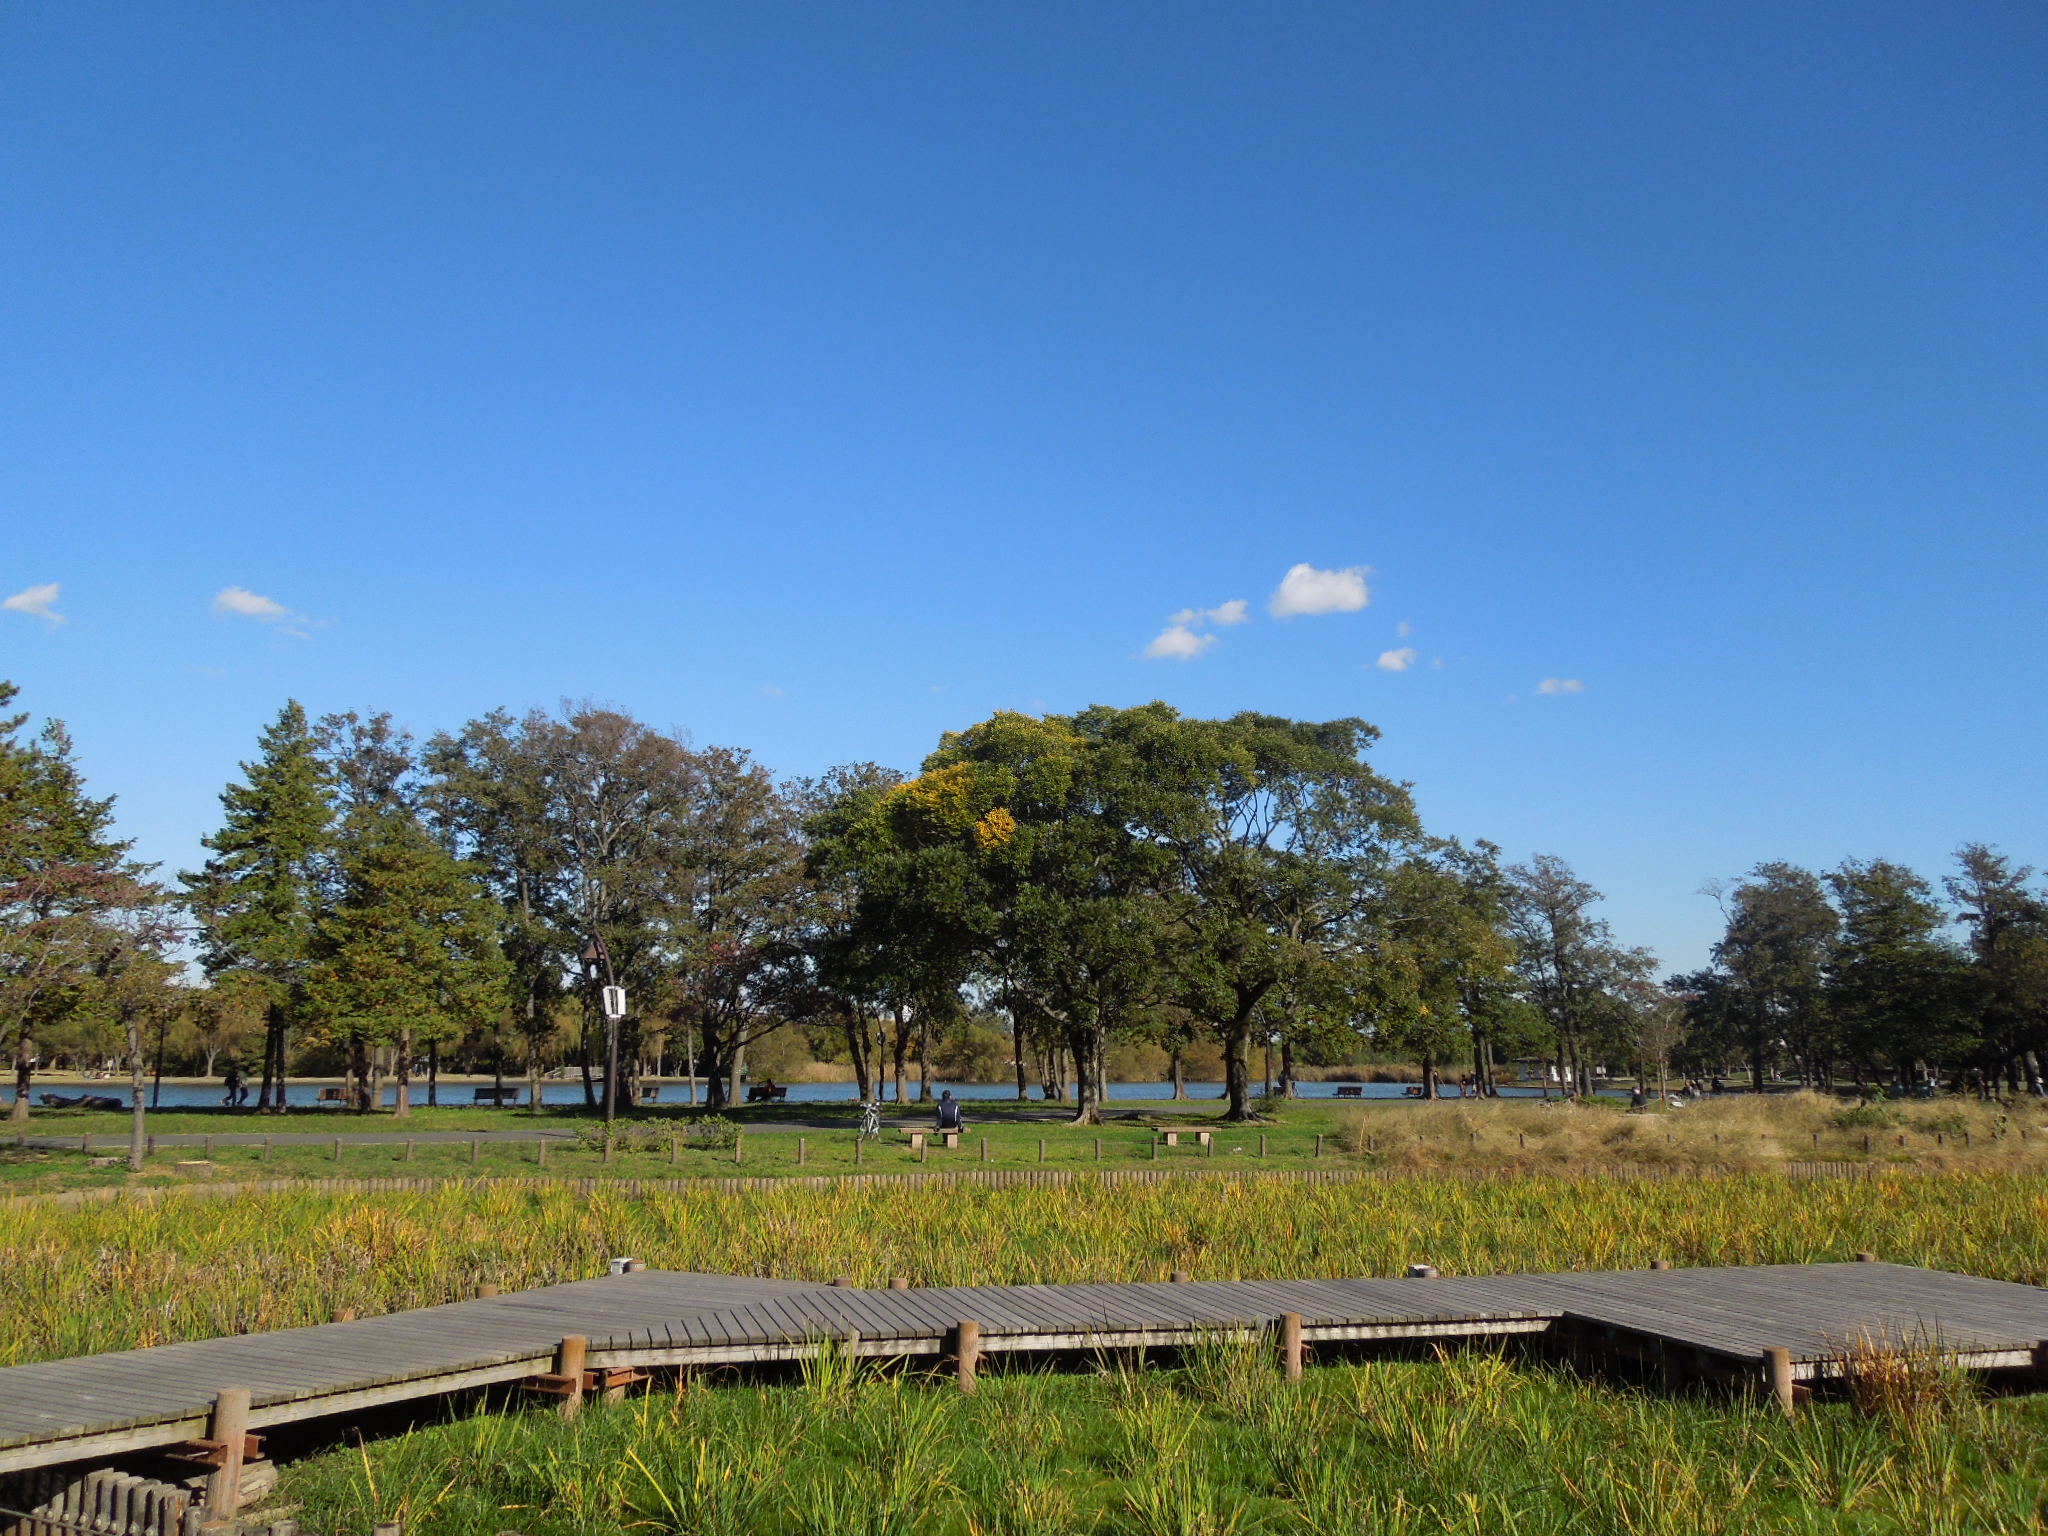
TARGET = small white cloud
(1560,685)
(38,602)
(1396,661)
(250,605)
(1177,642)
(771,690)
(1305,589)
(1403,630)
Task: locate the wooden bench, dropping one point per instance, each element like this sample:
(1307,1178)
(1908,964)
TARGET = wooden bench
(1202,1138)
(1350,1091)
(919,1138)
(498,1096)
(336,1096)
(762,1093)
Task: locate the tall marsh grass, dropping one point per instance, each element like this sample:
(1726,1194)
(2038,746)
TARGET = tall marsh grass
(1467,1445)
(126,1273)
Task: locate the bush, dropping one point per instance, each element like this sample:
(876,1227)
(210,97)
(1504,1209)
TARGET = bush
(1866,1117)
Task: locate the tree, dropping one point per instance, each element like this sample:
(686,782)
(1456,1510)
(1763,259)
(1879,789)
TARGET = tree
(733,924)
(1570,964)
(256,899)
(1282,839)
(1897,987)
(2008,922)
(407,951)
(67,887)
(1779,935)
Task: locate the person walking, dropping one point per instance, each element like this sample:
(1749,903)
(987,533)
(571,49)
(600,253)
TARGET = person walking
(232,1081)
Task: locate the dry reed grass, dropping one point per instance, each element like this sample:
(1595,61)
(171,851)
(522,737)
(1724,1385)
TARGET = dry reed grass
(1739,1132)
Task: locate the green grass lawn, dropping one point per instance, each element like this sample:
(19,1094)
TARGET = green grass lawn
(1213,1444)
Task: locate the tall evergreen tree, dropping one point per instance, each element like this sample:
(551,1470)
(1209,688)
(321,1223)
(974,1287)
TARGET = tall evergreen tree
(407,950)
(66,886)
(1895,984)
(1780,933)
(2008,922)
(257,898)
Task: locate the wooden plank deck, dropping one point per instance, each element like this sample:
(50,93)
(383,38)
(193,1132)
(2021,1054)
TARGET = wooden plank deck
(104,1405)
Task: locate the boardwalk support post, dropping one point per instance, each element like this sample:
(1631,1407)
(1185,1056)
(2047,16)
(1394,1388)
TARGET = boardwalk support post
(1778,1374)
(1660,1263)
(899,1284)
(569,1355)
(1421,1271)
(1865,1256)
(1181,1277)
(1291,1350)
(228,1427)
(968,1340)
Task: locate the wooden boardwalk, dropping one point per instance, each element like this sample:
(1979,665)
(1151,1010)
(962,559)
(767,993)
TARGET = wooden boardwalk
(1720,1319)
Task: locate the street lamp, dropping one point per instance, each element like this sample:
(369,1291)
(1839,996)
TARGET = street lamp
(612,999)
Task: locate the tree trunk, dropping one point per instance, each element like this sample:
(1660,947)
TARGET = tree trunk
(1429,1075)
(738,1094)
(583,1061)
(1287,1066)
(402,1099)
(270,1097)
(1085,1043)
(1237,1071)
(899,1048)
(433,1074)
(138,1117)
(924,1056)
(854,1025)
(1177,1070)
(1017,1058)
(24,1073)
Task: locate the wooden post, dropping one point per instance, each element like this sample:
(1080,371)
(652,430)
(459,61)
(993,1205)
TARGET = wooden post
(1319,1143)
(266,1149)
(857,1139)
(345,1315)
(486,1290)
(1523,1138)
(923,1146)
(472,1147)
(540,1153)
(675,1149)
(387,1528)
(739,1147)
(899,1284)
(1660,1263)
(844,1282)
(1181,1277)
(569,1363)
(1155,1146)
(1778,1374)
(969,1341)
(1262,1143)
(1098,1149)
(1865,1256)
(229,1425)
(408,1151)
(337,1149)
(1291,1351)
(984,1149)
(800,1151)
(209,1147)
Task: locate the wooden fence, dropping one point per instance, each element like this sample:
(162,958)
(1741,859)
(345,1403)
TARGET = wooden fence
(61,1501)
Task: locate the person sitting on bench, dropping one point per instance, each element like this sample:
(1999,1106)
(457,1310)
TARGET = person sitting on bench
(950,1118)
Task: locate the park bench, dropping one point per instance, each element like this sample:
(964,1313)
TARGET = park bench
(1350,1091)
(766,1093)
(498,1096)
(335,1096)
(1202,1138)
(951,1139)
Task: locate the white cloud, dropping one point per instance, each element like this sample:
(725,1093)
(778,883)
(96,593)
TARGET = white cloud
(1179,640)
(250,605)
(1396,661)
(1560,685)
(1304,589)
(1403,630)
(1178,643)
(39,602)
(1236,611)
(771,690)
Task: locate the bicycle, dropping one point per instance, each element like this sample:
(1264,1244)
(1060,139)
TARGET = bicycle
(870,1119)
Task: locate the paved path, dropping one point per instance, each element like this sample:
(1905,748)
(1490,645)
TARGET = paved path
(1719,1319)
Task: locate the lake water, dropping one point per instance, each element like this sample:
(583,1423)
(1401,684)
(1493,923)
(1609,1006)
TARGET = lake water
(570,1092)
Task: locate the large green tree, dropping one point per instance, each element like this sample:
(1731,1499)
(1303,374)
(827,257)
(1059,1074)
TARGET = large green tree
(2008,922)
(1771,958)
(68,890)
(1897,987)
(257,898)
(406,951)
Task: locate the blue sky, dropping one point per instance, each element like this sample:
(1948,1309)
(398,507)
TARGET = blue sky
(819,378)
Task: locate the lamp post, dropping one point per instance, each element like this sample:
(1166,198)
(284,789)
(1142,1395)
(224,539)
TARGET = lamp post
(612,999)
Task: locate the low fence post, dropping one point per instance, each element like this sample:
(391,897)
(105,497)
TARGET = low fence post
(1778,1375)
(569,1355)
(968,1338)
(229,1426)
(1291,1348)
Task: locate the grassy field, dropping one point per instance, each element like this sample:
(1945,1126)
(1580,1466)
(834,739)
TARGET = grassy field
(1517,1136)
(1211,1445)
(1206,1447)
